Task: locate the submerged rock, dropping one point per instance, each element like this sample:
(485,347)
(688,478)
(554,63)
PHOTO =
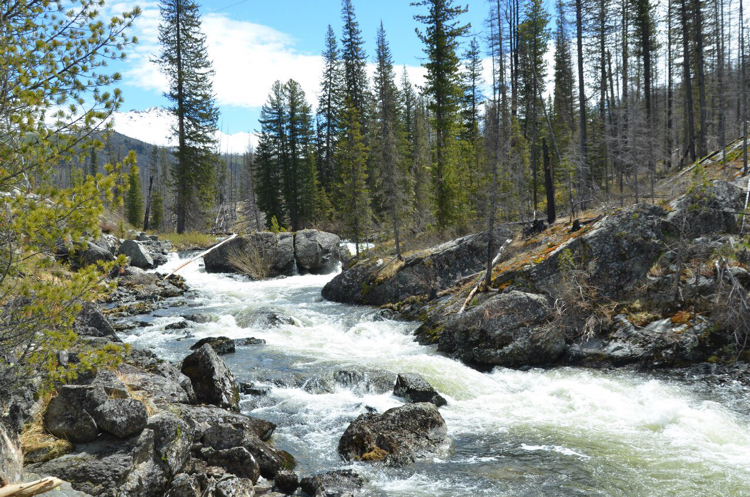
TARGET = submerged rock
(397,437)
(416,389)
(365,380)
(212,381)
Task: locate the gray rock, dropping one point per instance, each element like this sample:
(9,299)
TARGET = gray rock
(212,381)
(319,385)
(137,253)
(221,345)
(316,252)
(112,467)
(397,437)
(113,386)
(262,318)
(714,208)
(507,330)
(416,389)
(364,380)
(286,481)
(70,414)
(273,253)
(121,417)
(219,430)
(91,322)
(423,274)
(198,318)
(658,344)
(93,253)
(156,387)
(184,485)
(341,482)
(231,486)
(236,460)
(252,341)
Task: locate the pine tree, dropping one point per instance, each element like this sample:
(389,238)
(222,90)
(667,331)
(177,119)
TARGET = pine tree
(157,211)
(134,199)
(443,87)
(93,162)
(299,171)
(271,155)
(184,60)
(354,59)
(329,108)
(418,150)
(563,115)
(353,195)
(472,173)
(390,138)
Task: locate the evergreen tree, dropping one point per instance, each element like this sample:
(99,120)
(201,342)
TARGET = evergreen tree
(534,39)
(418,149)
(354,60)
(157,211)
(299,171)
(563,110)
(329,108)
(184,60)
(443,87)
(134,200)
(473,173)
(271,155)
(353,195)
(390,138)
(93,162)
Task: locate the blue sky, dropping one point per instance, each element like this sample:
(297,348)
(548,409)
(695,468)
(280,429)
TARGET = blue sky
(255,42)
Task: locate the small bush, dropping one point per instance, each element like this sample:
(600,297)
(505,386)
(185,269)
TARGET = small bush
(189,241)
(252,261)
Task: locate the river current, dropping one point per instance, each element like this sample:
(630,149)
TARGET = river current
(556,432)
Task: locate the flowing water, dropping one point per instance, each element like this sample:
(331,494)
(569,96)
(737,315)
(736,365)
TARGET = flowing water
(558,432)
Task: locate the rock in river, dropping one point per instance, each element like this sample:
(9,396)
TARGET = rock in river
(212,381)
(397,437)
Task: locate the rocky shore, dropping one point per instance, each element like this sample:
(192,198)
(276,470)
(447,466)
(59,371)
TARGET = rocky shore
(645,286)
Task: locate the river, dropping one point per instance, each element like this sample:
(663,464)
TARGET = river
(556,432)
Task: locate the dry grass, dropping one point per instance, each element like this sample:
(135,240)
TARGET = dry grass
(252,261)
(37,443)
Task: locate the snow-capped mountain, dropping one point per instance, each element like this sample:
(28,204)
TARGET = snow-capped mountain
(154,126)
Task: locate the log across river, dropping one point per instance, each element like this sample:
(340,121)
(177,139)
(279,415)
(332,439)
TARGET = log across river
(557,432)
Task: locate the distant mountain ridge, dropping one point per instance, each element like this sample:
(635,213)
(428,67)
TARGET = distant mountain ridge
(154,126)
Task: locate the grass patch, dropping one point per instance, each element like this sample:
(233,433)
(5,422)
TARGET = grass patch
(193,240)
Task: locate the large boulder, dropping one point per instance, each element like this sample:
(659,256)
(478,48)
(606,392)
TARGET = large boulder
(91,322)
(70,415)
(316,252)
(92,253)
(378,281)
(111,467)
(416,389)
(165,384)
(397,437)
(212,381)
(138,255)
(260,254)
(237,460)
(673,342)
(510,329)
(121,417)
(341,482)
(221,430)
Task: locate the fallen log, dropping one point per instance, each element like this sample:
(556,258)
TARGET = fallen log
(484,276)
(201,255)
(32,488)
